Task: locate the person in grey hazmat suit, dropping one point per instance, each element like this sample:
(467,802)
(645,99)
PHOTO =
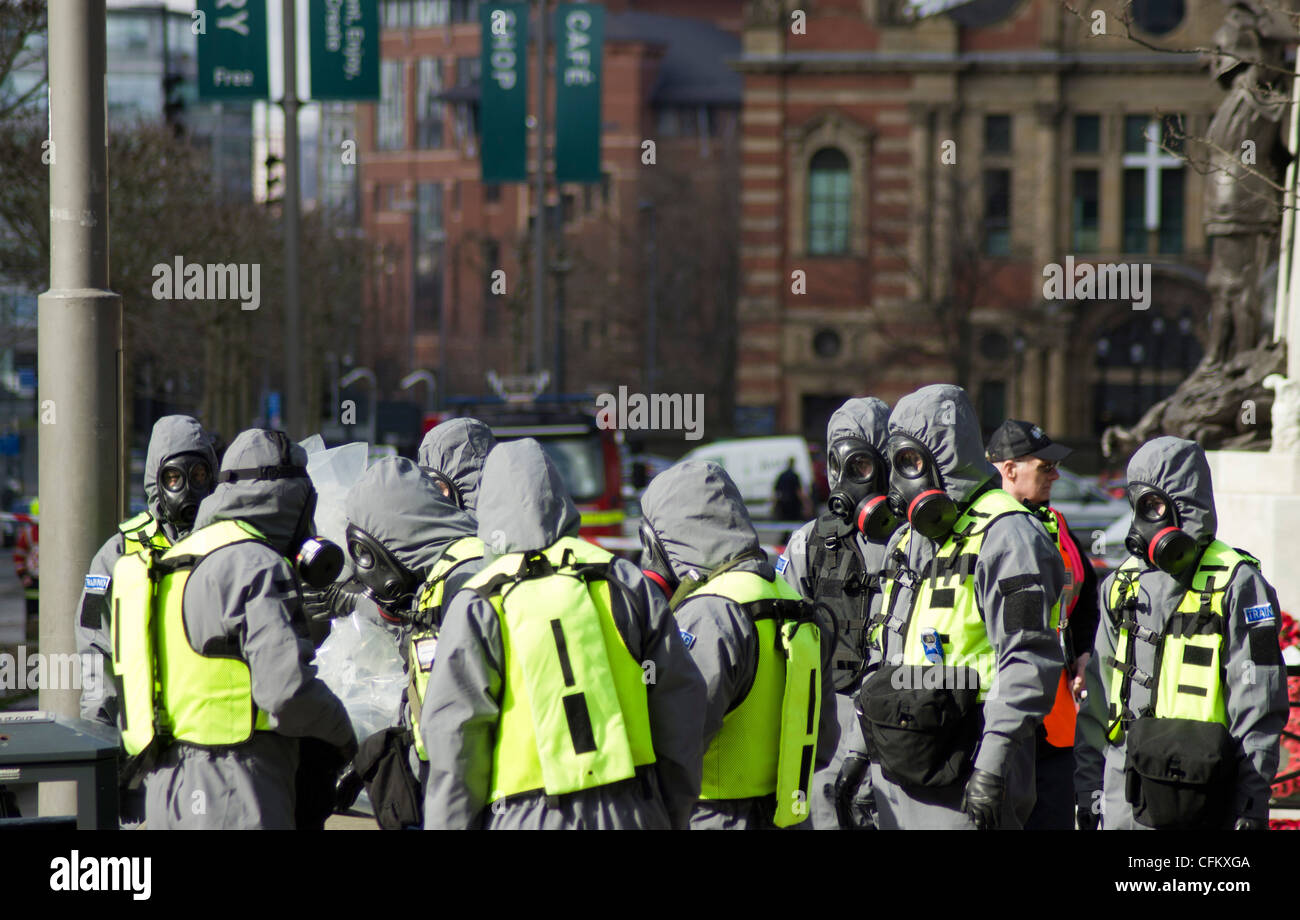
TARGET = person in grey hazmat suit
(242,601)
(696,525)
(970,589)
(180,448)
(453,453)
(1197,745)
(524,514)
(412,550)
(832,560)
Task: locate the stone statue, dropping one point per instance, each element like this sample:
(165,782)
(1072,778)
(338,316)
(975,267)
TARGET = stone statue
(1223,403)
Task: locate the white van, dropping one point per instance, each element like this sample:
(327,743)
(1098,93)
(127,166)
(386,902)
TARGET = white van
(754,464)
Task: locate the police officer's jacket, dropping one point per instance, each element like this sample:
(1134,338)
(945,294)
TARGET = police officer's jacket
(172,434)
(524,506)
(702,523)
(1250,666)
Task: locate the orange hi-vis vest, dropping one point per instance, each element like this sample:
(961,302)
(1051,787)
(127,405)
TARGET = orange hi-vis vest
(1060,722)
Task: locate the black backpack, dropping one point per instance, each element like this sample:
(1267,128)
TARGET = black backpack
(837,578)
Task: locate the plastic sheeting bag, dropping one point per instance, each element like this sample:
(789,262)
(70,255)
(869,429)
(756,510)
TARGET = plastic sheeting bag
(359,661)
(333,472)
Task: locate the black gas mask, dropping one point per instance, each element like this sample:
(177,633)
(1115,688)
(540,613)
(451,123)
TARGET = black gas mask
(451,493)
(387,582)
(317,561)
(860,477)
(916,488)
(183,481)
(654,560)
(1156,535)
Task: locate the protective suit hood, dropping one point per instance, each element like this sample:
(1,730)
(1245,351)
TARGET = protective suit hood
(1179,468)
(405,511)
(173,434)
(273,506)
(941,417)
(458,449)
(864,417)
(525,504)
(700,519)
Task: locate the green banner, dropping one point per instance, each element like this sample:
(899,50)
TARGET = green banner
(232,37)
(344,50)
(503,103)
(579,38)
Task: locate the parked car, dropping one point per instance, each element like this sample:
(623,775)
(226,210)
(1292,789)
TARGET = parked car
(754,463)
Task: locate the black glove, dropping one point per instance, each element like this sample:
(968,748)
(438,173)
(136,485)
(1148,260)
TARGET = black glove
(1250,824)
(854,799)
(982,799)
(336,600)
(316,783)
(1087,821)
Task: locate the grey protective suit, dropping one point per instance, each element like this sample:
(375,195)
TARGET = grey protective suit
(1255,687)
(700,519)
(406,512)
(172,434)
(457,449)
(1029,661)
(866,418)
(525,507)
(244,600)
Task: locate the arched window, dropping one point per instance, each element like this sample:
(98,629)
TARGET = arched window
(828,203)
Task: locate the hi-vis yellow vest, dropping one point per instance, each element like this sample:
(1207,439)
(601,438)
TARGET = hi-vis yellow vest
(944,597)
(1187,683)
(767,745)
(574,705)
(168,689)
(142,531)
(424,638)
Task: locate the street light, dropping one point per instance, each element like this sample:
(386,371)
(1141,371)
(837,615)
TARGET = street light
(415,377)
(354,376)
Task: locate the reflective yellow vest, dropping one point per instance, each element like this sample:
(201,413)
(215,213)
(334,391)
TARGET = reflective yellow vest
(1187,683)
(944,598)
(141,531)
(168,689)
(768,743)
(574,706)
(424,639)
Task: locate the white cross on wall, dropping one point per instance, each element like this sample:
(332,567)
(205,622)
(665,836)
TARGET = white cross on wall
(1152,160)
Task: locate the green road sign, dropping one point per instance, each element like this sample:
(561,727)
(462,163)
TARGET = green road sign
(344,50)
(232,38)
(580,35)
(503,103)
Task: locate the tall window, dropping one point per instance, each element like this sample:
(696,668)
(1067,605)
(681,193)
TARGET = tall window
(828,203)
(1084,211)
(1087,134)
(1153,185)
(997,212)
(997,133)
(390,126)
(466,113)
(430,239)
(464,10)
(395,14)
(430,13)
(428,108)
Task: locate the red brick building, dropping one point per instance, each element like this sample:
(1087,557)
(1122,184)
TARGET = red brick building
(666,79)
(904,184)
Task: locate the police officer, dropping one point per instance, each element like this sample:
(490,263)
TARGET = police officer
(453,453)
(831,560)
(731,610)
(410,549)
(1189,658)
(556,627)
(1027,458)
(220,740)
(966,624)
(179,472)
